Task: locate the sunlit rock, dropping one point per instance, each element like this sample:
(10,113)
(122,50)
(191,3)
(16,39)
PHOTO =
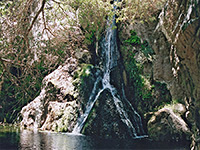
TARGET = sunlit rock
(61,116)
(56,105)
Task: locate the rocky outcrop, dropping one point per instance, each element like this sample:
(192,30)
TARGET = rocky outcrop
(176,44)
(56,101)
(63,97)
(166,125)
(175,41)
(104,120)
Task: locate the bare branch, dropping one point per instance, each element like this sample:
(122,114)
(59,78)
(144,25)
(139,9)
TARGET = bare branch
(10,61)
(13,79)
(45,26)
(36,16)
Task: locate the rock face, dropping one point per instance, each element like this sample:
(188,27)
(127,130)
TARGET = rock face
(177,47)
(165,125)
(175,41)
(179,24)
(104,120)
(55,108)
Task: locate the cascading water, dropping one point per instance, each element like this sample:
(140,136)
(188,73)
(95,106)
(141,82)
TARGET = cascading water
(110,54)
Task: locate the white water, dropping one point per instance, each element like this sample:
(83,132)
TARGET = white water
(110,50)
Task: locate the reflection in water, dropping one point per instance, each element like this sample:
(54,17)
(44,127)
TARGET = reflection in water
(14,139)
(54,141)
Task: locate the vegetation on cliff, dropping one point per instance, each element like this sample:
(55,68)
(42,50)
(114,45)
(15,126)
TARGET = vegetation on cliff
(37,36)
(160,65)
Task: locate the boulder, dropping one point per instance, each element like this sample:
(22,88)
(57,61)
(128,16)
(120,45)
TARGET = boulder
(54,107)
(104,120)
(62,99)
(61,117)
(165,125)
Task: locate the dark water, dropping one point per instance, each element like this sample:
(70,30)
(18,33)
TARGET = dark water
(11,139)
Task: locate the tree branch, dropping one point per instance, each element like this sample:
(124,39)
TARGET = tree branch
(13,79)
(36,16)
(45,26)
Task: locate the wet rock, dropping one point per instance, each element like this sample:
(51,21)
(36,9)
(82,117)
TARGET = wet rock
(104,120)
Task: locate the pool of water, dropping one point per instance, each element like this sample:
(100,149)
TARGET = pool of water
(13,138)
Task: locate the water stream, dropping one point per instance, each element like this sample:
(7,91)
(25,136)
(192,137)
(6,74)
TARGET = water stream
(110,54)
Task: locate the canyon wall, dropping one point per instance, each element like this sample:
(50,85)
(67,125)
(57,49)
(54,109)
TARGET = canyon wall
(179,23)
(177,49)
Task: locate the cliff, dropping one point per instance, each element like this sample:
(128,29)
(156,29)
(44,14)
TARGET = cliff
(178,61)
(175,41)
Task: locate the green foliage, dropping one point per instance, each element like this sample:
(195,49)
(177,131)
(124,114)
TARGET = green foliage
(83,76)
(144,46)
(86,71)
(149,95)
(84,80)
(144,10)
(25,59)
(65,26)
(92,17)
(134,39)
(146,49)
(83,71)
(4,7)
(134,72)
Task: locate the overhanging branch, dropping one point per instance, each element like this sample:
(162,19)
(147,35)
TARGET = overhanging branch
(36,16)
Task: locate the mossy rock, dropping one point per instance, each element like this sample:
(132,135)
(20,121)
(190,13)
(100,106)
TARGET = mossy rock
(104,120)
(84,79)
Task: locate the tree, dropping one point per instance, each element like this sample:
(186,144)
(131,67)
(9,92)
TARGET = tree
(36,36)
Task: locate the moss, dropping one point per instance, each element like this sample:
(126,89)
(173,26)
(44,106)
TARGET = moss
(84,79)
(90,119)
(148,95)
(133,39)
(143,46)
(83,71)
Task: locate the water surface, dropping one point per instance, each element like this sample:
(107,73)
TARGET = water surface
(13,139)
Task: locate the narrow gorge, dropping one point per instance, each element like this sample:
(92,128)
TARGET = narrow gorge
(108,69)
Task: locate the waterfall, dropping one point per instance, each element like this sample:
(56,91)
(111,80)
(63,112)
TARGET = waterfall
(110,54)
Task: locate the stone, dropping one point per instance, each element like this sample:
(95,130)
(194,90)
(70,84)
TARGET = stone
(61,117)
(55,108)
(104,120)
(178,26)
(165,125)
